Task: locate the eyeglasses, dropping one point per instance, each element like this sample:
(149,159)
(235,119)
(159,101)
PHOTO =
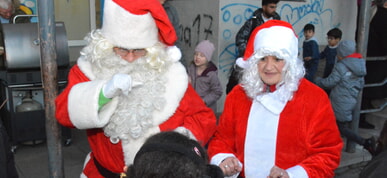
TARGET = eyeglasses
(135,52)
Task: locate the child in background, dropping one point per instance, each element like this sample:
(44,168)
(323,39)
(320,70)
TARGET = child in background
(329,53)
(203,74)
(310,52)
(346,82)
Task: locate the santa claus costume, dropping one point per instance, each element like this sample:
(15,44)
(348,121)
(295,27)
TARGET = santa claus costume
(290,125)
(158,96)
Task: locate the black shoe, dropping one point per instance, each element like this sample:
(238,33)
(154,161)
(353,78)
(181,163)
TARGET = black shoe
(365,125)
(370,145)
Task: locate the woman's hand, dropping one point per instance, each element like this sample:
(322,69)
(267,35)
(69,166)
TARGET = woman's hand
(277,172)
(230,166)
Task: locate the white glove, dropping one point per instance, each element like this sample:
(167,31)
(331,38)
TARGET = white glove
(119,84)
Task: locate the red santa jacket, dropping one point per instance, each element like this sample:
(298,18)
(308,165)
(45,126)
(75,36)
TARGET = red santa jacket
(188,112)
(307,132)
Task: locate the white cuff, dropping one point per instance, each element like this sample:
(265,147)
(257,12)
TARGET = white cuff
(218,158)
(297,172)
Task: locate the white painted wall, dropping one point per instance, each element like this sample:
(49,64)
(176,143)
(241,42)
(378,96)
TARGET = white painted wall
(220,20)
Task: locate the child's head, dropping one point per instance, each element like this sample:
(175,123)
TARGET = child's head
(171,154)
(334,36)
(345,48)
(308,31)
(203,53)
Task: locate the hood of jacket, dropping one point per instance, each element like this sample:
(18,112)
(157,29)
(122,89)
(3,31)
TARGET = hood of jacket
(355,65)
(211,67)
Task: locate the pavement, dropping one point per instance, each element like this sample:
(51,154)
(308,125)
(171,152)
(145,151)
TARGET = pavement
(32,160)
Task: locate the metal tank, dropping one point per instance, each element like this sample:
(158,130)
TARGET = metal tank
(22,49)
(21,81)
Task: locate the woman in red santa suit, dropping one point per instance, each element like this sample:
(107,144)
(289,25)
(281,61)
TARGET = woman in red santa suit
(127,85)
(276,123)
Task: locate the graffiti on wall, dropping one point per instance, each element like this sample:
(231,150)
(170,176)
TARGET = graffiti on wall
(200,28)
(30,8)
(233,16)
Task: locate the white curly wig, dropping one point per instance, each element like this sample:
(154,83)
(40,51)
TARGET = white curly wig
(273,38)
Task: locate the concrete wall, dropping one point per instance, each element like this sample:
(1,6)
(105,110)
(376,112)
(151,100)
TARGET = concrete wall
(220,20)
(76,16)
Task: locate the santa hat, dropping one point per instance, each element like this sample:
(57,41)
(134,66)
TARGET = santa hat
(273,38)
(134,24)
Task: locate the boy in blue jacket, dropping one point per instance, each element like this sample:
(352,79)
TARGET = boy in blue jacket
(346,81)
(330,52)
(310,52)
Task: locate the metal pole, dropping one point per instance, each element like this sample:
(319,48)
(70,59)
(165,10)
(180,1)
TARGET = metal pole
(50,86)
(362,43)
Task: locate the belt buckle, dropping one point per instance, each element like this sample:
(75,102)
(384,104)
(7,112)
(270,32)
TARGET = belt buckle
(123,175)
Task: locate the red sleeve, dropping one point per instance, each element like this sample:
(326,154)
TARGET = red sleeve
(231,132)
(308,135)
(194,115)
(61,102)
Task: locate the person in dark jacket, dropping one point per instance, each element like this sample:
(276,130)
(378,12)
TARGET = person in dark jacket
(260,16)
(346,82)
(203,74)
(377,47)
(310,52)
(377,166)
(330,52)
(7,162)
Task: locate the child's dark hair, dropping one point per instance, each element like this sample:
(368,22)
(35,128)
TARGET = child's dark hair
(171,154)
(266,2)
(335,33)
(308,27)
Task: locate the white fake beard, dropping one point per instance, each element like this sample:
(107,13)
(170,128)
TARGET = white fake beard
(111,64)
(133,115)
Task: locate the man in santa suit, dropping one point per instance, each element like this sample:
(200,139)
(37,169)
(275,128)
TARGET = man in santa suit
(276,123)
(127,85)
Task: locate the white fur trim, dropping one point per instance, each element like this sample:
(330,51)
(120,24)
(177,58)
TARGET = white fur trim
(87,159)
(85,66)
(128,30)
(241,63)
(297,172)
(261,130)
(131,147)
(218,158)
(277,40)
(176,87)
(185,132)
(83,105)
(174,53)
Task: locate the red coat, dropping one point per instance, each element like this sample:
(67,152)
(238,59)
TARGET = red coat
(191,114)
(307,132)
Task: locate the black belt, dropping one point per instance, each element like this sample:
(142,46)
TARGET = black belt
(107,173)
